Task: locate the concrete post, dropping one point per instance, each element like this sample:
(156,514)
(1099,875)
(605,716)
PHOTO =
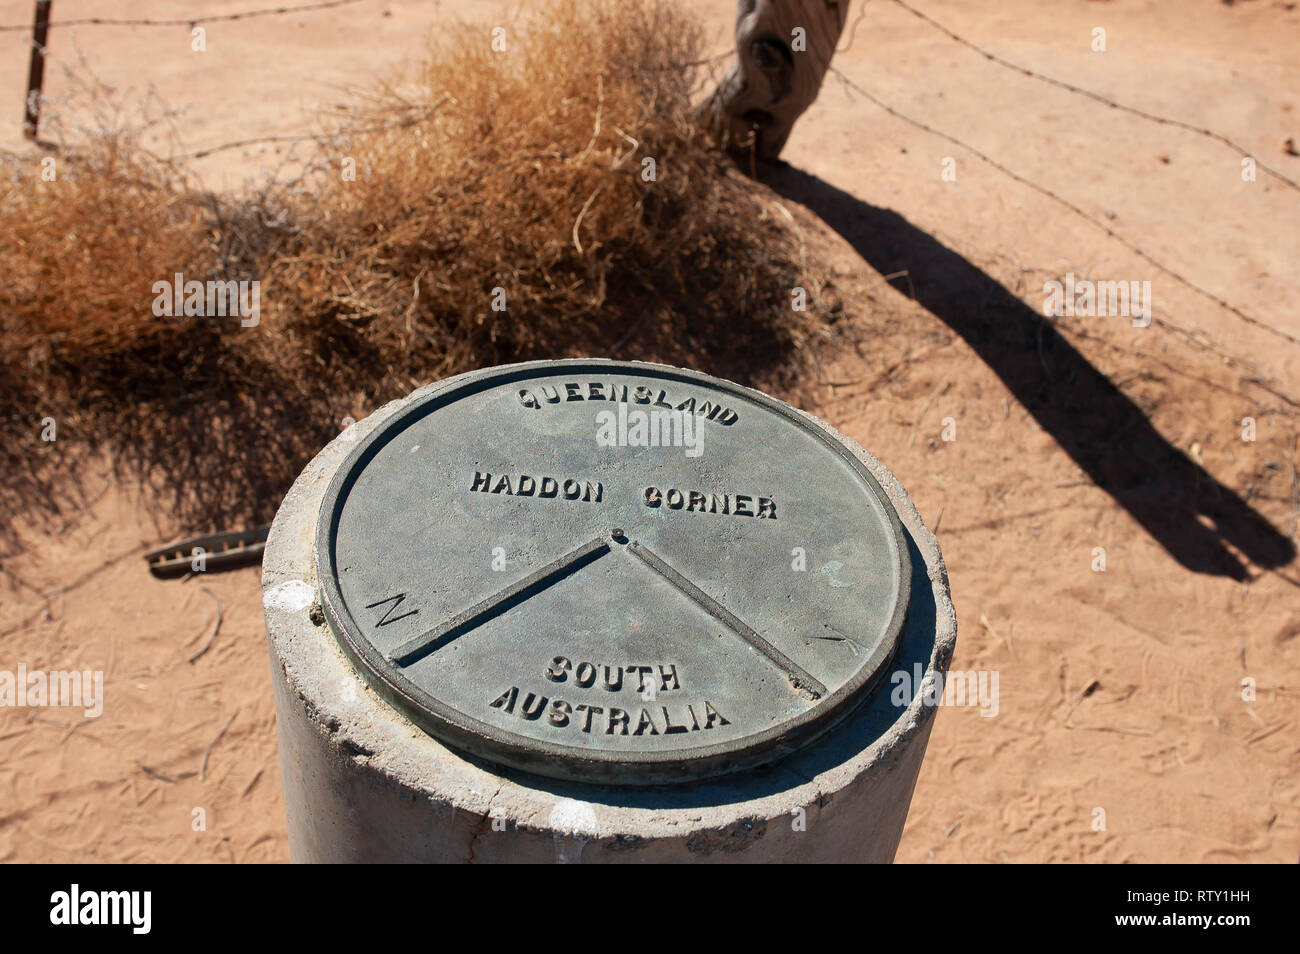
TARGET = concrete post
(362,783)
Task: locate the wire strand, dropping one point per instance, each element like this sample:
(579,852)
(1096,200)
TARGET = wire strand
(183,21)
(1079,90)
(1145,256)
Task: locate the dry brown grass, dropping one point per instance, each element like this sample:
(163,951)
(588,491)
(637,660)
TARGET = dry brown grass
(519,170)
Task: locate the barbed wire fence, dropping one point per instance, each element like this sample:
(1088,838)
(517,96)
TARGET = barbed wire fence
(184,21)
(42,24)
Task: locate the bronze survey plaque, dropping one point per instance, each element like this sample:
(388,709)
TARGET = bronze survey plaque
(612,572)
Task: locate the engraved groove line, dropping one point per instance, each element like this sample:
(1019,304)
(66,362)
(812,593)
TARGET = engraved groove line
(493,606)
(801,677)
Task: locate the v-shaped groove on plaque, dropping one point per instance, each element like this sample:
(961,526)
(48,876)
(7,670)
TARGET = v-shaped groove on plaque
(799,676)
(495,605)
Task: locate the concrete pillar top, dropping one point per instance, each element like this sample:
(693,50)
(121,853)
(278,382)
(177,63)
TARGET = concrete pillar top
(493,593)
(612,572)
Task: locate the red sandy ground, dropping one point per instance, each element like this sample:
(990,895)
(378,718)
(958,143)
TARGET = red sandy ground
(1119,690)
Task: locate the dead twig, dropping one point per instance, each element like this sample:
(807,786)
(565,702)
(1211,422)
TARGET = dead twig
(253,781)
(911,287)
(1261,736)
(984,621)
(154,773)
(928,404)
(577,243)
(215,629)
(203,768)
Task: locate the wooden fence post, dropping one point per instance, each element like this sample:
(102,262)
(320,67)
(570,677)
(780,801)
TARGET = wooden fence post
(36,70)
(783,48)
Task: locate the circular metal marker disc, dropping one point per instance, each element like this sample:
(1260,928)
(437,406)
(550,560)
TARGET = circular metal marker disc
(612,572)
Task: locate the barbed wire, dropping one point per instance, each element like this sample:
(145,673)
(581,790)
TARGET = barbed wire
(183,21)
(1094,221)
(423,110)
(1098,97)
(853,30)
(1071,206)
(925,18)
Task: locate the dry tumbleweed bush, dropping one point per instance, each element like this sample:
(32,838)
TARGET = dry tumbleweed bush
(547,200)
